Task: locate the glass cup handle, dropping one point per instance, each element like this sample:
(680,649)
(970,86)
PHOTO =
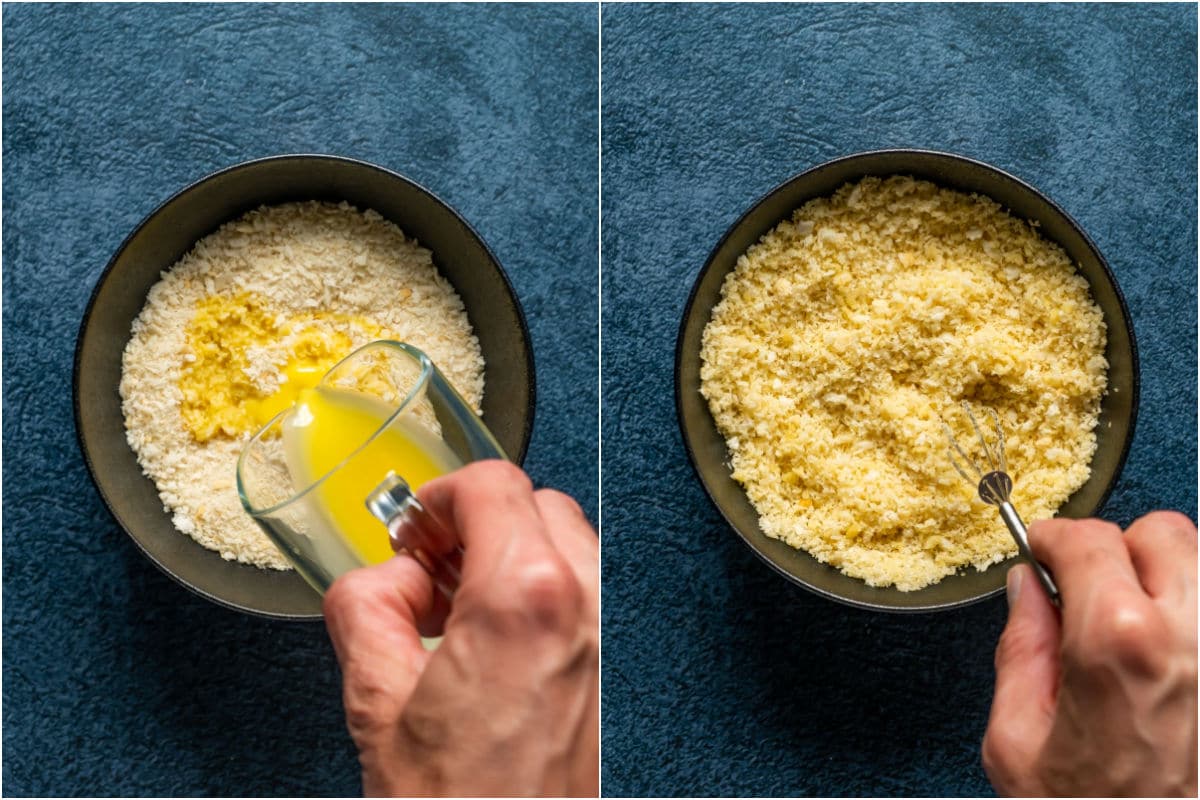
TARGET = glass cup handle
(413,529)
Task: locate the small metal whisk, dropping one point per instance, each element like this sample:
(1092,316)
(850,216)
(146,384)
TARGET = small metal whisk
(995,488)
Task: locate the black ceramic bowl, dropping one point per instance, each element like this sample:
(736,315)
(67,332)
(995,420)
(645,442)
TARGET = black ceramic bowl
(166,235)
(707,449)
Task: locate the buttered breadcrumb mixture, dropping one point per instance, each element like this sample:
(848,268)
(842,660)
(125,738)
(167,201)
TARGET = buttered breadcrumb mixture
(846,335)
(254,312)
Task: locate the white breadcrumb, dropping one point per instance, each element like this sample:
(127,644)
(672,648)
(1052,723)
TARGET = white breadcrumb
(299,258)
(848,333)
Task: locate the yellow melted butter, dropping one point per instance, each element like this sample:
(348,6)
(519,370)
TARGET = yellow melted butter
(328,426)
(219,394)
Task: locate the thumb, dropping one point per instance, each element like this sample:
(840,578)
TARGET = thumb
(1027,667)
(373,615)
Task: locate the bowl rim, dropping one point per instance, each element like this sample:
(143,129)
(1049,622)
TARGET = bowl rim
(689,310)
(102,278)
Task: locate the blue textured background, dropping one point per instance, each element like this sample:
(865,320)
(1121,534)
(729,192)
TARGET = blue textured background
(720,677)
(116,680)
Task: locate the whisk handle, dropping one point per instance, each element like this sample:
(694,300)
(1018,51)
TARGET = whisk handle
(1017,528)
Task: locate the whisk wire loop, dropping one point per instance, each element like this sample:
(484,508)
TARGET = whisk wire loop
(995,488)
(955,447)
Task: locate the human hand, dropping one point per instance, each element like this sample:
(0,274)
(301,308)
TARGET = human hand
(1100,701)
(509,702)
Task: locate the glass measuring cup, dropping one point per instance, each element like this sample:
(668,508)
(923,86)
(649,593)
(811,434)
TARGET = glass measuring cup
(331,480)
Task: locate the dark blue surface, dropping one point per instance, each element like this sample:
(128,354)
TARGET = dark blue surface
(116,680)
(720,677)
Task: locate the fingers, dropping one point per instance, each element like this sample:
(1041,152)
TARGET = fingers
(572,535)
(372,615)
(432,623)
(573,530)
(1027,670)
(1162,547)
(514,578)
(1111,626)
(490,505)
(1085,556)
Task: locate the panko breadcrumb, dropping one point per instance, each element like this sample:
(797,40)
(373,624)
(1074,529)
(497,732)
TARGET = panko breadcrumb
(296,275)
(848,333)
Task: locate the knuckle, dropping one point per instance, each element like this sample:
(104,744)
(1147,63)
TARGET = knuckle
(997,754)
(1136,640)
(544,595)
(1186,666)
(1128,633)
(557,499)
(1098,529)
(367,704)
(425,728)
(1172,521)
(498,472)
(345,594)
(549,590)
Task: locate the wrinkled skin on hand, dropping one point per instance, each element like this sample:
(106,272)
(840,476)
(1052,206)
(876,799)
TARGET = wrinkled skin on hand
(509,703)
(1099,700)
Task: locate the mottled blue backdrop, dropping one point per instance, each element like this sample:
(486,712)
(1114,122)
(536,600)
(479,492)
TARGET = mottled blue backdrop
(116,680)
(720,677)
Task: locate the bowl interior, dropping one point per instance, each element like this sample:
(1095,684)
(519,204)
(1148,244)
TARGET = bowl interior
(172,230)
(706,446)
